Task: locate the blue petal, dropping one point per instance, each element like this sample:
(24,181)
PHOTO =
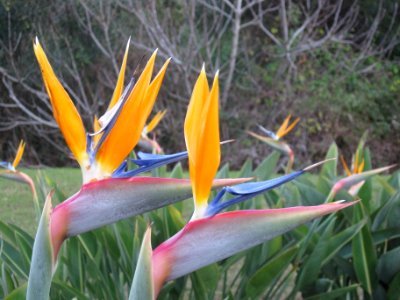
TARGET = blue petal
(121,169)
(257,187)
(246,191)
(268,132)
(148,161)
(7,165)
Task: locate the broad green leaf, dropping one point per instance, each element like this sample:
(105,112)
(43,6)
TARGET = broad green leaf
(12,258)
(246,169)
(142,286)
(338,293)
(382,215)
(394,288)
(364,255)
(41,271)
(223,172)
(308,193)
(269,273)
(265,170)
(326,248)
(17,294)
(204,281)
(388,265)
(67,291)
(177,171)
(329,169)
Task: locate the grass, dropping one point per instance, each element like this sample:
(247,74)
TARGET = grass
(16,199)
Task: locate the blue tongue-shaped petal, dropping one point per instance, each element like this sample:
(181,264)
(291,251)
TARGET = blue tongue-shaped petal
(249,190)
(148,161)
(7,165)
(246,191)
(268,132)
(258,187)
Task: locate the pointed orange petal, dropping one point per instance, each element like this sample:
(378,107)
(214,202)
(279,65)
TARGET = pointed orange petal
(148,101)
(154,122)
(346,168)
(290,128)
(192,121)
(283,127)
(19,154)
(121,77)
(202,139)
(96,128)
(127,129)
(64,111)
(355,163)
(361,166)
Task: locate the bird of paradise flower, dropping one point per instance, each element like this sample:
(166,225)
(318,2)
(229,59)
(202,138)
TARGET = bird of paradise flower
(109,192)
(274,140)
(10,172)
(211,235)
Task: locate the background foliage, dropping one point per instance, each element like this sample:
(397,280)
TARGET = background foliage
(352,254)
(333,63)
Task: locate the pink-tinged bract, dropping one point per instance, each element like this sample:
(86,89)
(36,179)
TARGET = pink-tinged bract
(208,240)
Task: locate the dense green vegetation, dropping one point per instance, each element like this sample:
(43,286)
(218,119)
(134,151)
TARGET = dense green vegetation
(334,64)
(351,253)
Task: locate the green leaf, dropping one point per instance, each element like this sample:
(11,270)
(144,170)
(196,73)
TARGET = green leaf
(329,169)
(247,168)
(204,281)
(267,167)
(269,273)
(326,248)
(68,291)
(389,265)
(308,193)
(17,294)
(41,271)
(177,171)
(335,294)
(364,255)
(382,215)
(142,285)
(394,288)
(223,172)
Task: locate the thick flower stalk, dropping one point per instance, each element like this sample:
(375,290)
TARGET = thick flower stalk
(10,172)
(109,192)
(151,143)
(211,235)
(274,140)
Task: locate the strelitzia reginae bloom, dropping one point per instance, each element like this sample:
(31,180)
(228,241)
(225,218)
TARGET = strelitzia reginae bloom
(274,140)
(10,172)
(110,192)
(151,143)
(356,176)
(211,235)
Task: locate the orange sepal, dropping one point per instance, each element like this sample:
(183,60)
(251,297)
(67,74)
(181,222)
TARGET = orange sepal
(154,122)
(346,168)
(121,77)
(19,154)
(285,127)
(64,110)
(127,130)
(202,138)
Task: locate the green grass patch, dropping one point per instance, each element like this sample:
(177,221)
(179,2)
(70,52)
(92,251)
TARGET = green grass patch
(16,198)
